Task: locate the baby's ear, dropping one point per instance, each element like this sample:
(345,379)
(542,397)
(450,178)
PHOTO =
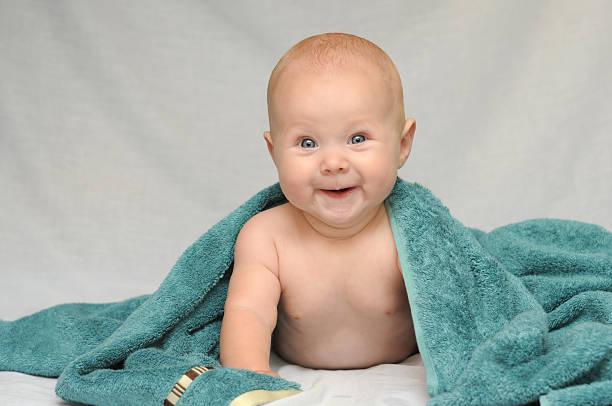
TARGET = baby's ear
(269,142)
(406,140)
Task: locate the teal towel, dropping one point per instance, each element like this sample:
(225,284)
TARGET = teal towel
(520,314)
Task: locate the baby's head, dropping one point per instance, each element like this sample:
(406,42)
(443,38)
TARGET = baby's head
(338,132)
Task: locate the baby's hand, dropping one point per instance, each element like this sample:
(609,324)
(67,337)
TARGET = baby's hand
(266,372)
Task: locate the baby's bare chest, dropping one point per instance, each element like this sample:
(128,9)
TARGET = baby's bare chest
(332,283)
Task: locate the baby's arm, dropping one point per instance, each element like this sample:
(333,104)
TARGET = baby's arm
(252,300)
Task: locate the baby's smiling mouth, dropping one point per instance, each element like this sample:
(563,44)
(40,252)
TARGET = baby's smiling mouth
(338,193)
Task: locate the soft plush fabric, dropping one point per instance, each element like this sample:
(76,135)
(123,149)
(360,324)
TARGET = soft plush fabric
(508,317)
(134,352)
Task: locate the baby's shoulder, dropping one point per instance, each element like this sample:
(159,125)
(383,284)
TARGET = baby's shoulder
(256,242)
(268,222)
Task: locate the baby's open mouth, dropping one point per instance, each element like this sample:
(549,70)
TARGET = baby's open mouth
(338,192)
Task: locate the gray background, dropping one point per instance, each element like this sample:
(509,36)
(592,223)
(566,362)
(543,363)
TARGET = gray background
(127,129)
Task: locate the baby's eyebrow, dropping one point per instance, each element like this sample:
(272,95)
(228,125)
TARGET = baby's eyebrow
(352,125)
(360,126)
(359,121)
(297,126)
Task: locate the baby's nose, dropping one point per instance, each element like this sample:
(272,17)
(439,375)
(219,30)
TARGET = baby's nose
(334,163)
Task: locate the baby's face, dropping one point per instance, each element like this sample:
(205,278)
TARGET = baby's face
(337,141)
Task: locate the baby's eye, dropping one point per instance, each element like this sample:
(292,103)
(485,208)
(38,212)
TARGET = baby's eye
(307,143)
(358,139)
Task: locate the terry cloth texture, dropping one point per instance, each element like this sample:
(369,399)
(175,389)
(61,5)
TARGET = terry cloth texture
(519,314)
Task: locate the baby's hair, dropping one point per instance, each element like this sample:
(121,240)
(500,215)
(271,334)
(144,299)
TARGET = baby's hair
(332,51)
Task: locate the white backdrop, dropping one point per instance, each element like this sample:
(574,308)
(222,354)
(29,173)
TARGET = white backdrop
(128,128)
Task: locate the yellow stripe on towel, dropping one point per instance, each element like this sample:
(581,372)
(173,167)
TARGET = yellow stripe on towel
(252,398)
(261,397)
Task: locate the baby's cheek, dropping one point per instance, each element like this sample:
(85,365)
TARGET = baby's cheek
(383,167)
(292,186)
(384,176)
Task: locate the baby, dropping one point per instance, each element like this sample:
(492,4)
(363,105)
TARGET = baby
(318,278)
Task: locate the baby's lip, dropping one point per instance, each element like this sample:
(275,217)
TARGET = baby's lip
(336,189)
(338,193)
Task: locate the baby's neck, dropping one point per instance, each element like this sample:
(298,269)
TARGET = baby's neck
(338,233)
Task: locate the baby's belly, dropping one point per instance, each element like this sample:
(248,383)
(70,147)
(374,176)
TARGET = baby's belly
(342,339)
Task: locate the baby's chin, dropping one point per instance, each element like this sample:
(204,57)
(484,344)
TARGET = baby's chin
(338,223)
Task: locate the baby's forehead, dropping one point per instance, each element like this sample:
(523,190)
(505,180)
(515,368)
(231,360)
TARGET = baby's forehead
(309,74)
